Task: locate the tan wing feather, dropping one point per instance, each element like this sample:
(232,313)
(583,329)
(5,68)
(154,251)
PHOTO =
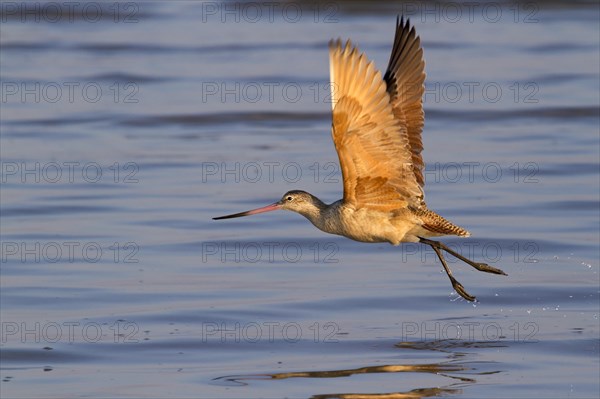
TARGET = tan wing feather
(405,78)
(372,144)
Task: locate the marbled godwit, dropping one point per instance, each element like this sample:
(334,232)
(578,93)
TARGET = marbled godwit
(376,129)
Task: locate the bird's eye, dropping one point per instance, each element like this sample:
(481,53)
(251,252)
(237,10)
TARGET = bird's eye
(289,198)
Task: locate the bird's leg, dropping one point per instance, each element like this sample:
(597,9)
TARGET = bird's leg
(482,267)
(455,284)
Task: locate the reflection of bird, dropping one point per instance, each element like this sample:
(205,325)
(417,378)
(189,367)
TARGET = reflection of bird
(441,369)
(376,130)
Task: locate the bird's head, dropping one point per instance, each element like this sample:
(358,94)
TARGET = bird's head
(295,200)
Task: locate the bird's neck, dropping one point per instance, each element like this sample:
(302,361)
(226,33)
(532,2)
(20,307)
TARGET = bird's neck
(322,216)
(315,211)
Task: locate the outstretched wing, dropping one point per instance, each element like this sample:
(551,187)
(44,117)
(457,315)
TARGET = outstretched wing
(372,144)
(405,79)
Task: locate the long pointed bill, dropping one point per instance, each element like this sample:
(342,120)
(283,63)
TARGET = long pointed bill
(268,208)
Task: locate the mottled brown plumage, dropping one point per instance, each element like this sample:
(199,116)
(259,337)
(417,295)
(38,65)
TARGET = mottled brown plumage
(376,128)
(437,224)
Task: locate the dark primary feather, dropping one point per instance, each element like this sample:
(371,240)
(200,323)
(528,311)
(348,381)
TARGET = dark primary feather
(405,79)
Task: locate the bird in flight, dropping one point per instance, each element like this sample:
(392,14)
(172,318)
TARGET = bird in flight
(376,129)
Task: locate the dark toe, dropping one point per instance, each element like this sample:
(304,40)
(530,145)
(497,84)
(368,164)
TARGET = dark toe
(484,267)
(458,287)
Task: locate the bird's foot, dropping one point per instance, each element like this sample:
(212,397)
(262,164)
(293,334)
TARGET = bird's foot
(484,267)
(458,287)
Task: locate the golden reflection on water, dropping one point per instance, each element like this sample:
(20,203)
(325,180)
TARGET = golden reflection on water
(451,369)
(394,368)
(414,394)
(439,369)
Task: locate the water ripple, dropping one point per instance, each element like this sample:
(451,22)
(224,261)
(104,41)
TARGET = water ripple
(54,210)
